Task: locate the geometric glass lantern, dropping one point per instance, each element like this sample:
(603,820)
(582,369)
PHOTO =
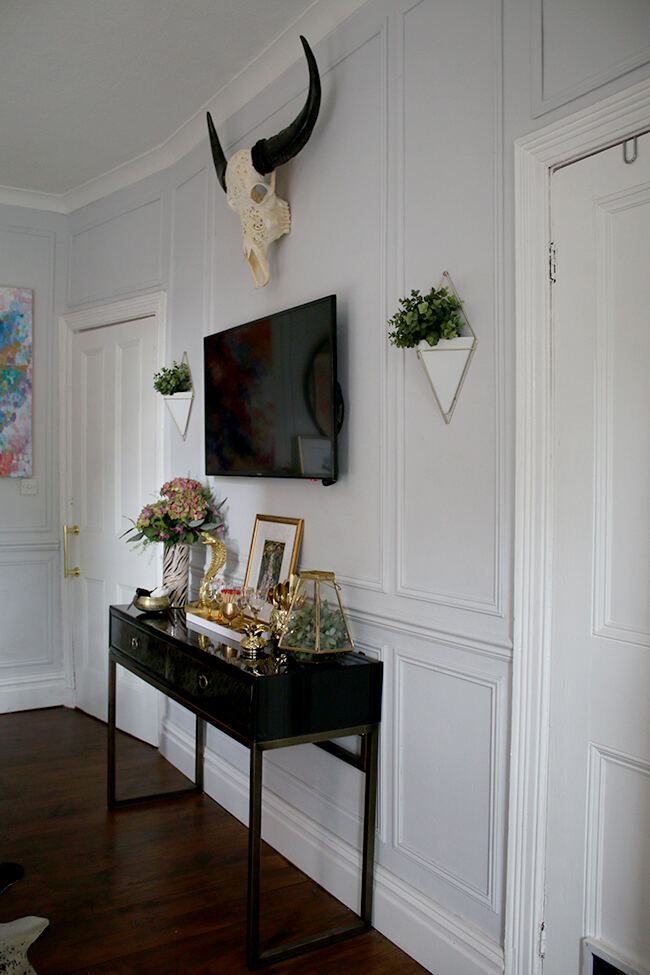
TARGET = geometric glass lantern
(316,621)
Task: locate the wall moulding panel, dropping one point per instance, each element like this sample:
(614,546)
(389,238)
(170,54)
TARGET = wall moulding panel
(190,276)
(382,623)
(559,27)
(190,279)
(451,538)
(117,254)
(460,742)
(30,545)
(25,645)
(33,673)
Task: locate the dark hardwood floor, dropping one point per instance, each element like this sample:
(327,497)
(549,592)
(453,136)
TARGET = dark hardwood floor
(158,888)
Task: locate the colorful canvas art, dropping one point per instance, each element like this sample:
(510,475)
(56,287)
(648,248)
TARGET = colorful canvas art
(15,382)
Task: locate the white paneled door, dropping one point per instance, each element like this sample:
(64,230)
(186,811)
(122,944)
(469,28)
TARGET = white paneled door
(598,840)
(113,473)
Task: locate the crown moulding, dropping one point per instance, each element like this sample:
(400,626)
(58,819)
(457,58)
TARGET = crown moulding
(321,18)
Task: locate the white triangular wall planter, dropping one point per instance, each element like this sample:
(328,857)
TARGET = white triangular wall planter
(446,366)
(180,407)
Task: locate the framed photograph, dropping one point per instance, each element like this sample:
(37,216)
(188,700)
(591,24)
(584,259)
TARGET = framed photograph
(274,553)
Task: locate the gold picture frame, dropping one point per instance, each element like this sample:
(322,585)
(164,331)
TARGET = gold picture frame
(273,554)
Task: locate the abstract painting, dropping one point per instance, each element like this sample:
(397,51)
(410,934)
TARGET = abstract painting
(15,382)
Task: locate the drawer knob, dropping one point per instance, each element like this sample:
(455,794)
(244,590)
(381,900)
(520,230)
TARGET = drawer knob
(135,642)
(203,681)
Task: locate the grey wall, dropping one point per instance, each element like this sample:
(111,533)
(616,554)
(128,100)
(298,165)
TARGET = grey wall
(408,173)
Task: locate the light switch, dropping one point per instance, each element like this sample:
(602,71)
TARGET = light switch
(29,485)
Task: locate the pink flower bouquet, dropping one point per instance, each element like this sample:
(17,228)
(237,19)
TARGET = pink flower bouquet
(184,510)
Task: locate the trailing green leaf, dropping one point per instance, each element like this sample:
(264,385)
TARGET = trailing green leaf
(427,318)
(301,629)
(175,379)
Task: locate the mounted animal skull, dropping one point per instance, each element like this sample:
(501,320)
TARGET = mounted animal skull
(264,216)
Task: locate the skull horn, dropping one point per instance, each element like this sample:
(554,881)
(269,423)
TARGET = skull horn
(268,154)
(220,161)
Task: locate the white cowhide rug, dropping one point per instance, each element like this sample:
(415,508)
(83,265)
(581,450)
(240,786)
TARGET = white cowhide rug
(15,939)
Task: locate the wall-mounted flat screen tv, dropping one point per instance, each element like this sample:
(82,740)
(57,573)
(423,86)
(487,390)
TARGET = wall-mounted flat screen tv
(272,403)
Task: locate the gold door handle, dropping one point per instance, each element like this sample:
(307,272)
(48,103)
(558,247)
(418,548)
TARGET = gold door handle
(69,531)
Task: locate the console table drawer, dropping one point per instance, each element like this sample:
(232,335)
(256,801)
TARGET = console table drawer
(220,694)
(143,648)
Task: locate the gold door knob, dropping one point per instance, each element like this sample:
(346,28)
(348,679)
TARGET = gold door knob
(67,530)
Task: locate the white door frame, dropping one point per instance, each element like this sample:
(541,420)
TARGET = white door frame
(144,306)
(591,130)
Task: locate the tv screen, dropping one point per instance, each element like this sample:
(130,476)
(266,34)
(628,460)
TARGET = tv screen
(271,395)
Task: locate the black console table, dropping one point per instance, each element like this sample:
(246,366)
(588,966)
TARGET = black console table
(262,704)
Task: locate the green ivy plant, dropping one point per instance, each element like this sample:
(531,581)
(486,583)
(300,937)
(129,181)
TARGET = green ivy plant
(301,631)
(175,379)
(425,318)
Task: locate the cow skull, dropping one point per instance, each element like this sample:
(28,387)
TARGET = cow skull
(264,216)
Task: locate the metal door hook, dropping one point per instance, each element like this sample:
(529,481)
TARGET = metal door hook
(635,150)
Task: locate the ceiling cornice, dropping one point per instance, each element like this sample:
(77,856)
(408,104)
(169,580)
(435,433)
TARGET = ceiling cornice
(316,23)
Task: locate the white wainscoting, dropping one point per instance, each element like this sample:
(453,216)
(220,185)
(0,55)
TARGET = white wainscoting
(441,800)
(445,819)
(436,937)
(32,670)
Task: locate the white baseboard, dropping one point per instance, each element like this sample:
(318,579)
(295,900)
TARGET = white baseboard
(28,695)
(437,939)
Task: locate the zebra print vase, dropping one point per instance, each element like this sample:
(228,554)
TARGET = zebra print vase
(176,573)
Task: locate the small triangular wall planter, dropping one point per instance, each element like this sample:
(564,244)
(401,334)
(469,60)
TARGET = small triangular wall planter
(446,366)
(180,407)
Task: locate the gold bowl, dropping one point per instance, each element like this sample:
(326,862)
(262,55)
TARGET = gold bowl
(152,604)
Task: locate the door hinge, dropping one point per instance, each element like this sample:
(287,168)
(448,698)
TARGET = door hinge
(552,262)
(541,940)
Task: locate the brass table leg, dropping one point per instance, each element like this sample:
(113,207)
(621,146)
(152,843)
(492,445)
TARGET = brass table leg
(254,855)
(258,959)
(370,753)
(199,749)
(112,801)
(111,733)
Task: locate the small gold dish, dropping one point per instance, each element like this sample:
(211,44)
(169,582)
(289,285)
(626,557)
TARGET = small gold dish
(152,604)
